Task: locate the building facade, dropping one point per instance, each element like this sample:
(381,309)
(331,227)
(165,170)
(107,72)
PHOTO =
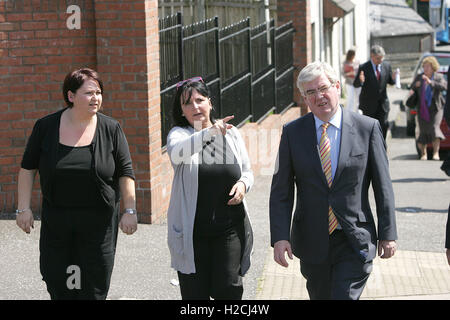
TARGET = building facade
(325,30)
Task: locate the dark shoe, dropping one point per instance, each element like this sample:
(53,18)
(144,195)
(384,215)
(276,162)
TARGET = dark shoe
(446,167)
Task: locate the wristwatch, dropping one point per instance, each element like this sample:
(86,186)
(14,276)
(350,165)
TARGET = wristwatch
(130,211)
(22,211)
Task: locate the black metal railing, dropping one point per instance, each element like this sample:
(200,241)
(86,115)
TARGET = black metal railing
(263,70)
(236,74)
(248,70)
(284,69)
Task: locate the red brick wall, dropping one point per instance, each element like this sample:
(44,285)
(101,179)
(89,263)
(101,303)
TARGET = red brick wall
(298,11)
(160,167)
(36,51)
(119,38)
(128,60)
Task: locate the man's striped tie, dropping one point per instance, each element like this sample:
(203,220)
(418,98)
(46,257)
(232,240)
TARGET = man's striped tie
(325,159)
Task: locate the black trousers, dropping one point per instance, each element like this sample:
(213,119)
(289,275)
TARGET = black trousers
(382,117)
(341,277)
(217,264)
(77,249)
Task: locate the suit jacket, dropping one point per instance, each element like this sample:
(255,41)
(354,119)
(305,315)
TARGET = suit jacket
(362,160)
(373,94)
(447,102)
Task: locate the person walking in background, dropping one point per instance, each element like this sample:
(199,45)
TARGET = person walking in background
(349,68)
(85,168)
(209,233)
(428,87)
(339,155)
(373,78)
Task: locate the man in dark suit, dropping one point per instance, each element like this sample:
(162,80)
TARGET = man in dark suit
(446,164)
(373,76)
(447,101)
(331,155)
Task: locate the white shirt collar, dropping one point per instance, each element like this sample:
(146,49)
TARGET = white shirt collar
(375,66)
(335,120)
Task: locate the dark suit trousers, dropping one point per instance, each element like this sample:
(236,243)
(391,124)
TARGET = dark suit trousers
(382,117)
(342,276)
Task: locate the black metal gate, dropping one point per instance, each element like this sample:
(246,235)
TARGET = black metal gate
(248,70)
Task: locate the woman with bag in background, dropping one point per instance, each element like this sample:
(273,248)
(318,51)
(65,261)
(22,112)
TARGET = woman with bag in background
(429,103)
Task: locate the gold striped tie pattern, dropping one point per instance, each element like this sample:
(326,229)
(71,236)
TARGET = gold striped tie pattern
(325,159)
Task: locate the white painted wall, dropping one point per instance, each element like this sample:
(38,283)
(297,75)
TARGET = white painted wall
(351,31)
(362,28)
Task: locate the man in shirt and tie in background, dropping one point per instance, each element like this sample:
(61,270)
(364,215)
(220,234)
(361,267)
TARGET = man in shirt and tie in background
(331,156)
(373,76)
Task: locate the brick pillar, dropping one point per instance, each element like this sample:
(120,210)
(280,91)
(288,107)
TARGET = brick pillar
(37,50)
(128,61)
(40,43)
(160,168)
(298,11)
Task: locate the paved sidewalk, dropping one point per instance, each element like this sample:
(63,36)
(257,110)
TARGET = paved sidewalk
(409,275)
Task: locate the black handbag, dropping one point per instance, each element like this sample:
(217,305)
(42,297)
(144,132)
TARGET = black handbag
(411,102)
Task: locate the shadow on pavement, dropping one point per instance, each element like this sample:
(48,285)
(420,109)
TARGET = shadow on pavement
(419,210)
(419,180)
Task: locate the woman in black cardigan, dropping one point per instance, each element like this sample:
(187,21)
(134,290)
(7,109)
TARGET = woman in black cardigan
(84,165)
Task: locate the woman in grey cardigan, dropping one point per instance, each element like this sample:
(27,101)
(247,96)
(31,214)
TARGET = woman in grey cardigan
(209,232)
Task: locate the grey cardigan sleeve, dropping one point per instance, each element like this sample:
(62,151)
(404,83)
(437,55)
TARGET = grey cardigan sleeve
(247,173)
(182,143)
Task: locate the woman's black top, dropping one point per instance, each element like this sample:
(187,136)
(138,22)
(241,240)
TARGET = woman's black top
(75,178)
(218,172)
(109,151)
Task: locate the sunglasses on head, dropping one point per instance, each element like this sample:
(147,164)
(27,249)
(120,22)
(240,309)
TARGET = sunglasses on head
(194,79)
